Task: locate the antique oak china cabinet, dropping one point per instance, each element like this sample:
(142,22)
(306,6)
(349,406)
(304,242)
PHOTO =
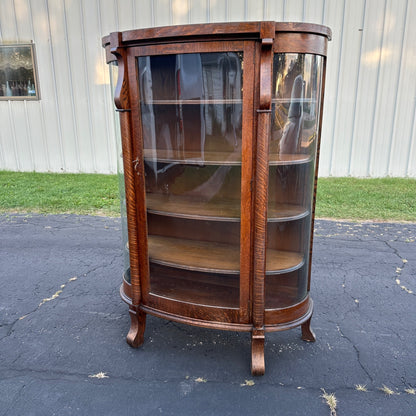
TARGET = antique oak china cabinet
(220,129)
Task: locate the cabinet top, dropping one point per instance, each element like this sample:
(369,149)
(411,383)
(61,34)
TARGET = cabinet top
(210,31)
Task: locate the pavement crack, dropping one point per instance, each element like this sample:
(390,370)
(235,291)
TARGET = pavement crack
(396,334)
(181,328)
(394,250)
(45,300)
(12,324)
(101,266)
(10,330)
(399,270)
(357,351)
(15,400)
(45,374)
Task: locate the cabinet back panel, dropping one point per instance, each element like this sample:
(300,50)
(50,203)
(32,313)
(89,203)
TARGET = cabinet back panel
(199,230)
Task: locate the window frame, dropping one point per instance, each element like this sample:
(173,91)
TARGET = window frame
(35,81)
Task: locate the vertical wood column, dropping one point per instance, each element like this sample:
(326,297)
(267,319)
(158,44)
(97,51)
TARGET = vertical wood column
(267,33)
(247,172)
(122,102)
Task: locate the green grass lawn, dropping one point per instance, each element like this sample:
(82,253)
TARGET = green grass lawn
(382,199)
(388,199)
(55,193)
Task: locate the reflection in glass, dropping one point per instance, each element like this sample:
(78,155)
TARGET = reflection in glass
(17,72)
(120,172)
(296,84)
(191,109)
(296,100)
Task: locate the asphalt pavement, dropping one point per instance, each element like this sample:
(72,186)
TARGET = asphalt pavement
(63,327)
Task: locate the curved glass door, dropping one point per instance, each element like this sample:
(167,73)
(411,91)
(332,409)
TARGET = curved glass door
(296,104)
(191,109)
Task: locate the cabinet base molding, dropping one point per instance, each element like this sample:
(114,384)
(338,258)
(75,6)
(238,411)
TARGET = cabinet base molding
(135,336)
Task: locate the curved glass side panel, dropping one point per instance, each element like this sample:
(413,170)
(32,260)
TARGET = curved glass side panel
(297,83)
(191,109)
(120,171)
(296,102)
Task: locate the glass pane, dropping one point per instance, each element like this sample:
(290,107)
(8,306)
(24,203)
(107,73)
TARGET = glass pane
(191,107)
(296,103)
(17,72)
(120,171)
(296,100)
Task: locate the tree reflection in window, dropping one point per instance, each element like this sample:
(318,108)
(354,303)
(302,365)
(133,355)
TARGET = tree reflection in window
(17,72)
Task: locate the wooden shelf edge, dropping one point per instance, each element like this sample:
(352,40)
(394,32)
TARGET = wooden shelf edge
(293,213)
(277,319)
(193,268)
(290,100)
(280,159)
(273,272)
(211,257)
(194,255)
(196,101)
(223,210)
(193,208)
(209,158)
(201,217)
(201,158)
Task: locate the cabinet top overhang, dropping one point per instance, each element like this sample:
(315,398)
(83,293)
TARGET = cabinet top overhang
(208,32)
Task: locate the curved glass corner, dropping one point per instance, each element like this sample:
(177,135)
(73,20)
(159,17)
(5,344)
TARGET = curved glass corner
(296,105)
(120,172)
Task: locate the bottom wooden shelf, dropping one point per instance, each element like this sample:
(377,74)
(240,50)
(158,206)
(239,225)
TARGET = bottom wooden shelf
(195,287)
(212,257)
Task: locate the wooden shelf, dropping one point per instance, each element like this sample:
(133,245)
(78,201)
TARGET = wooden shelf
(292,100)
(196,101)
(193,157)
(203,289)
(205,256)
(225,101)
(285,212)
(218,158)
(219,210)
(288,159)
(192,207)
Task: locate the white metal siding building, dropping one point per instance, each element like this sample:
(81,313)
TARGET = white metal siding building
(370,102)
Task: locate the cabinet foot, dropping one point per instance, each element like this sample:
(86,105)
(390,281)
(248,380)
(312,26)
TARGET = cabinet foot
(257,353)
(307,332)
(135,337)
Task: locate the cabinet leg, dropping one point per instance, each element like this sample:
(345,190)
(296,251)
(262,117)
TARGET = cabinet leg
(257,352)
(135,337)
(307,332)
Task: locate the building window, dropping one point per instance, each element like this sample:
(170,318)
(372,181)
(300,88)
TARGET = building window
(18,77)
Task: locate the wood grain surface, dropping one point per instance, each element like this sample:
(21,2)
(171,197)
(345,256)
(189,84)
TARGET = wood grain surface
(205,256)
(183,206)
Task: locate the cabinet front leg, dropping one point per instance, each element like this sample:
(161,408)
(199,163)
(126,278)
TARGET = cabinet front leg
(135,337)
(257,352)
(307,332)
